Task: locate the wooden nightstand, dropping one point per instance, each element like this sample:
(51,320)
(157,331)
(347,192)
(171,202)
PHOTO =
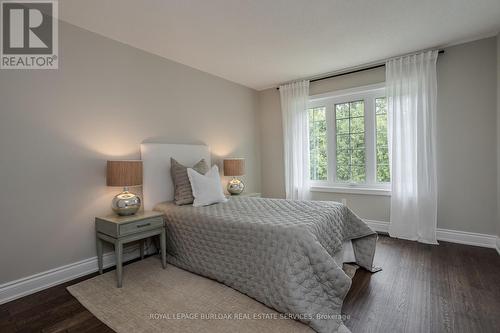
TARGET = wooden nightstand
(254,195)
(119,230)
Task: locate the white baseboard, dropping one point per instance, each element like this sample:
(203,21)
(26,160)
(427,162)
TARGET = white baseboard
(498,245)
(468,238)
(378,226)
(447,235)
(28,285)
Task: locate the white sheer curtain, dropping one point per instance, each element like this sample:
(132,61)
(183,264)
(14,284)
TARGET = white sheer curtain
(411,89)
(294,99)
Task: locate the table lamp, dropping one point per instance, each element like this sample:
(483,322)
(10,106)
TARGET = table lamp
(234,167)
(125,174)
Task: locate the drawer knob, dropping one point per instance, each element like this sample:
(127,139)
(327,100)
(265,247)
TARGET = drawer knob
(143,225)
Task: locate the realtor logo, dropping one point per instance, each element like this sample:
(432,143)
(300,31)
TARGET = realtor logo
(29,36)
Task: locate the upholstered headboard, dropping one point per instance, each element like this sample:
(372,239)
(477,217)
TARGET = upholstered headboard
(157,183)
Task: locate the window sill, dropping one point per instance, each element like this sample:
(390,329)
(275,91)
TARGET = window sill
(351,190)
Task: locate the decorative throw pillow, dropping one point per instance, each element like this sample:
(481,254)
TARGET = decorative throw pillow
(206,188)
(183,194)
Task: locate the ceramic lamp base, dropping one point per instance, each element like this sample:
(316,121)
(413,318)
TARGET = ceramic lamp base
(235,186)
(126,203)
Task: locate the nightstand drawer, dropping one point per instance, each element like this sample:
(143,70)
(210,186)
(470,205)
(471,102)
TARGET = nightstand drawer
(139,226)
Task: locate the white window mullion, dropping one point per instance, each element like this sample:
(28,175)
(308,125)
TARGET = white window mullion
(370,134)
(331,143)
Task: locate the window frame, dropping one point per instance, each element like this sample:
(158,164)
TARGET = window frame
(328,100)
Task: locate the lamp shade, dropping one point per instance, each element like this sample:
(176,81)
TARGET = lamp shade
(124,173)
(234,167)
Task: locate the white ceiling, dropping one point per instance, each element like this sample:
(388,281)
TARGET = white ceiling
(261,43)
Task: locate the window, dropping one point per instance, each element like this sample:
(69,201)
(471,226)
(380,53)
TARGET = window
(348,139)
(382,145)
(317,142)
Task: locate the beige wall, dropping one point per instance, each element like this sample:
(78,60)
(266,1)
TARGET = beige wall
(498,138)
(271,136)
(466,137)
(364,78)
(58,128)
(466,144)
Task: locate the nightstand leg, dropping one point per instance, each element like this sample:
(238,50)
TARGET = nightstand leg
(119,258)
(99,253)
(141,244)
(163,241)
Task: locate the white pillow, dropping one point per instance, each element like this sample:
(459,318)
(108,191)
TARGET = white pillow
(206,188)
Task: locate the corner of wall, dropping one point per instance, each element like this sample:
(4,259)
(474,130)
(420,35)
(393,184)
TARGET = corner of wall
(498,141)
(271,144)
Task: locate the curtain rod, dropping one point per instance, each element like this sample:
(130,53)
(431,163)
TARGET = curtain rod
(353,71)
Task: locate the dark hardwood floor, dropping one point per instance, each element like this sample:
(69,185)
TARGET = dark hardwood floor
(422,288)
(427,288)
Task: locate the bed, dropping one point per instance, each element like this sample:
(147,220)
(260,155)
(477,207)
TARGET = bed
(282,253)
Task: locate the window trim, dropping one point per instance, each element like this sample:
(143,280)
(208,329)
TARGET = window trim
(367,93)
(351,190)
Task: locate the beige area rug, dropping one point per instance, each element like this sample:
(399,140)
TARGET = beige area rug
(174,300)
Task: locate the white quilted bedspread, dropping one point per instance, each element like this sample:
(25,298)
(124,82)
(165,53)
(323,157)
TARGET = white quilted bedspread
(279,252)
